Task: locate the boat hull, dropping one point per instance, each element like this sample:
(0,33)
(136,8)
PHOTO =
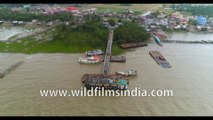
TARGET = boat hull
(158,41)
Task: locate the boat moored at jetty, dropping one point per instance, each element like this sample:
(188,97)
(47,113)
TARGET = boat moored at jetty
(107,83)
(94,52)
(87,61)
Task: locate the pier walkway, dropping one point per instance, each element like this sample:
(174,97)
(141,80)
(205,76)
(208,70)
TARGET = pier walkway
(108,53)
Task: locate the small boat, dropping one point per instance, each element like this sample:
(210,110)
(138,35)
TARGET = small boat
(94,52)
(131,72)
(94,58)
(157,39)
(88,61)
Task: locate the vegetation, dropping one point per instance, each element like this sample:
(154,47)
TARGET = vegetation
(203,29)
(111,22)
(117,10)
(7,14)
(65,39)
(195,10)
(130,32)
(192,22)
(87,36)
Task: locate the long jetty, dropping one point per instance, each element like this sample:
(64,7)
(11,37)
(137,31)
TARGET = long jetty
(108,53)
(189,42)
(11,68)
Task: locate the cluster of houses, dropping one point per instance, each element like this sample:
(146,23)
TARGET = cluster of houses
(174,21)
(150,20)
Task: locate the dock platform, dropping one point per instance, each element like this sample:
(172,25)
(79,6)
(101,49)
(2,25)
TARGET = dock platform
(133,45)
(158,57)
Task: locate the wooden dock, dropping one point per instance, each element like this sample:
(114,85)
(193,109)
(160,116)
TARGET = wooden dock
(158,57)
(132,45)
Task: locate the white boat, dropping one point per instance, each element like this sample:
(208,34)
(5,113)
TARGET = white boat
(94,52)
(131,72)
(87,61)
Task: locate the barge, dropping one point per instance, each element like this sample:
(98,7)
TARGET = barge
(117,59)
(112,82)
(132,45)
(158,57)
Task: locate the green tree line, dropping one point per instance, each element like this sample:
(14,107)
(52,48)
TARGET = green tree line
(195,10)
(7,14)
(130,32)
(92,33)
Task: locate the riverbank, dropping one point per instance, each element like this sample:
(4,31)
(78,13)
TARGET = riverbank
(29,45)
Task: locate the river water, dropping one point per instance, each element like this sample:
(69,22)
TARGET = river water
(190,78)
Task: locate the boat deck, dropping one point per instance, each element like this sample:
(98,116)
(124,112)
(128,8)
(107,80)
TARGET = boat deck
(158,57)
(89,77)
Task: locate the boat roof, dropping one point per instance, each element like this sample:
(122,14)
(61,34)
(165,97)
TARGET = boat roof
(122,82)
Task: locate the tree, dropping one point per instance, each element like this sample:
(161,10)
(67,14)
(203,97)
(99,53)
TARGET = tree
(111,22)
(204,29)
(130,32)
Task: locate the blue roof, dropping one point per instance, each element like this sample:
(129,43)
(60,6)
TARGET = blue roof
(201,20)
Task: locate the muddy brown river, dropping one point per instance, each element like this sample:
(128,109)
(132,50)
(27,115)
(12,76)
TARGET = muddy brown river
(190,78)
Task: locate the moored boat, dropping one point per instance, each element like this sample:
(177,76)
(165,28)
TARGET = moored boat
(107,83)
(157,39)
(131,72)
(94,52)
(86,61)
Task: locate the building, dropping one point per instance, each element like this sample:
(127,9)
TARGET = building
(184,21)
(201,21)
(210,21)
